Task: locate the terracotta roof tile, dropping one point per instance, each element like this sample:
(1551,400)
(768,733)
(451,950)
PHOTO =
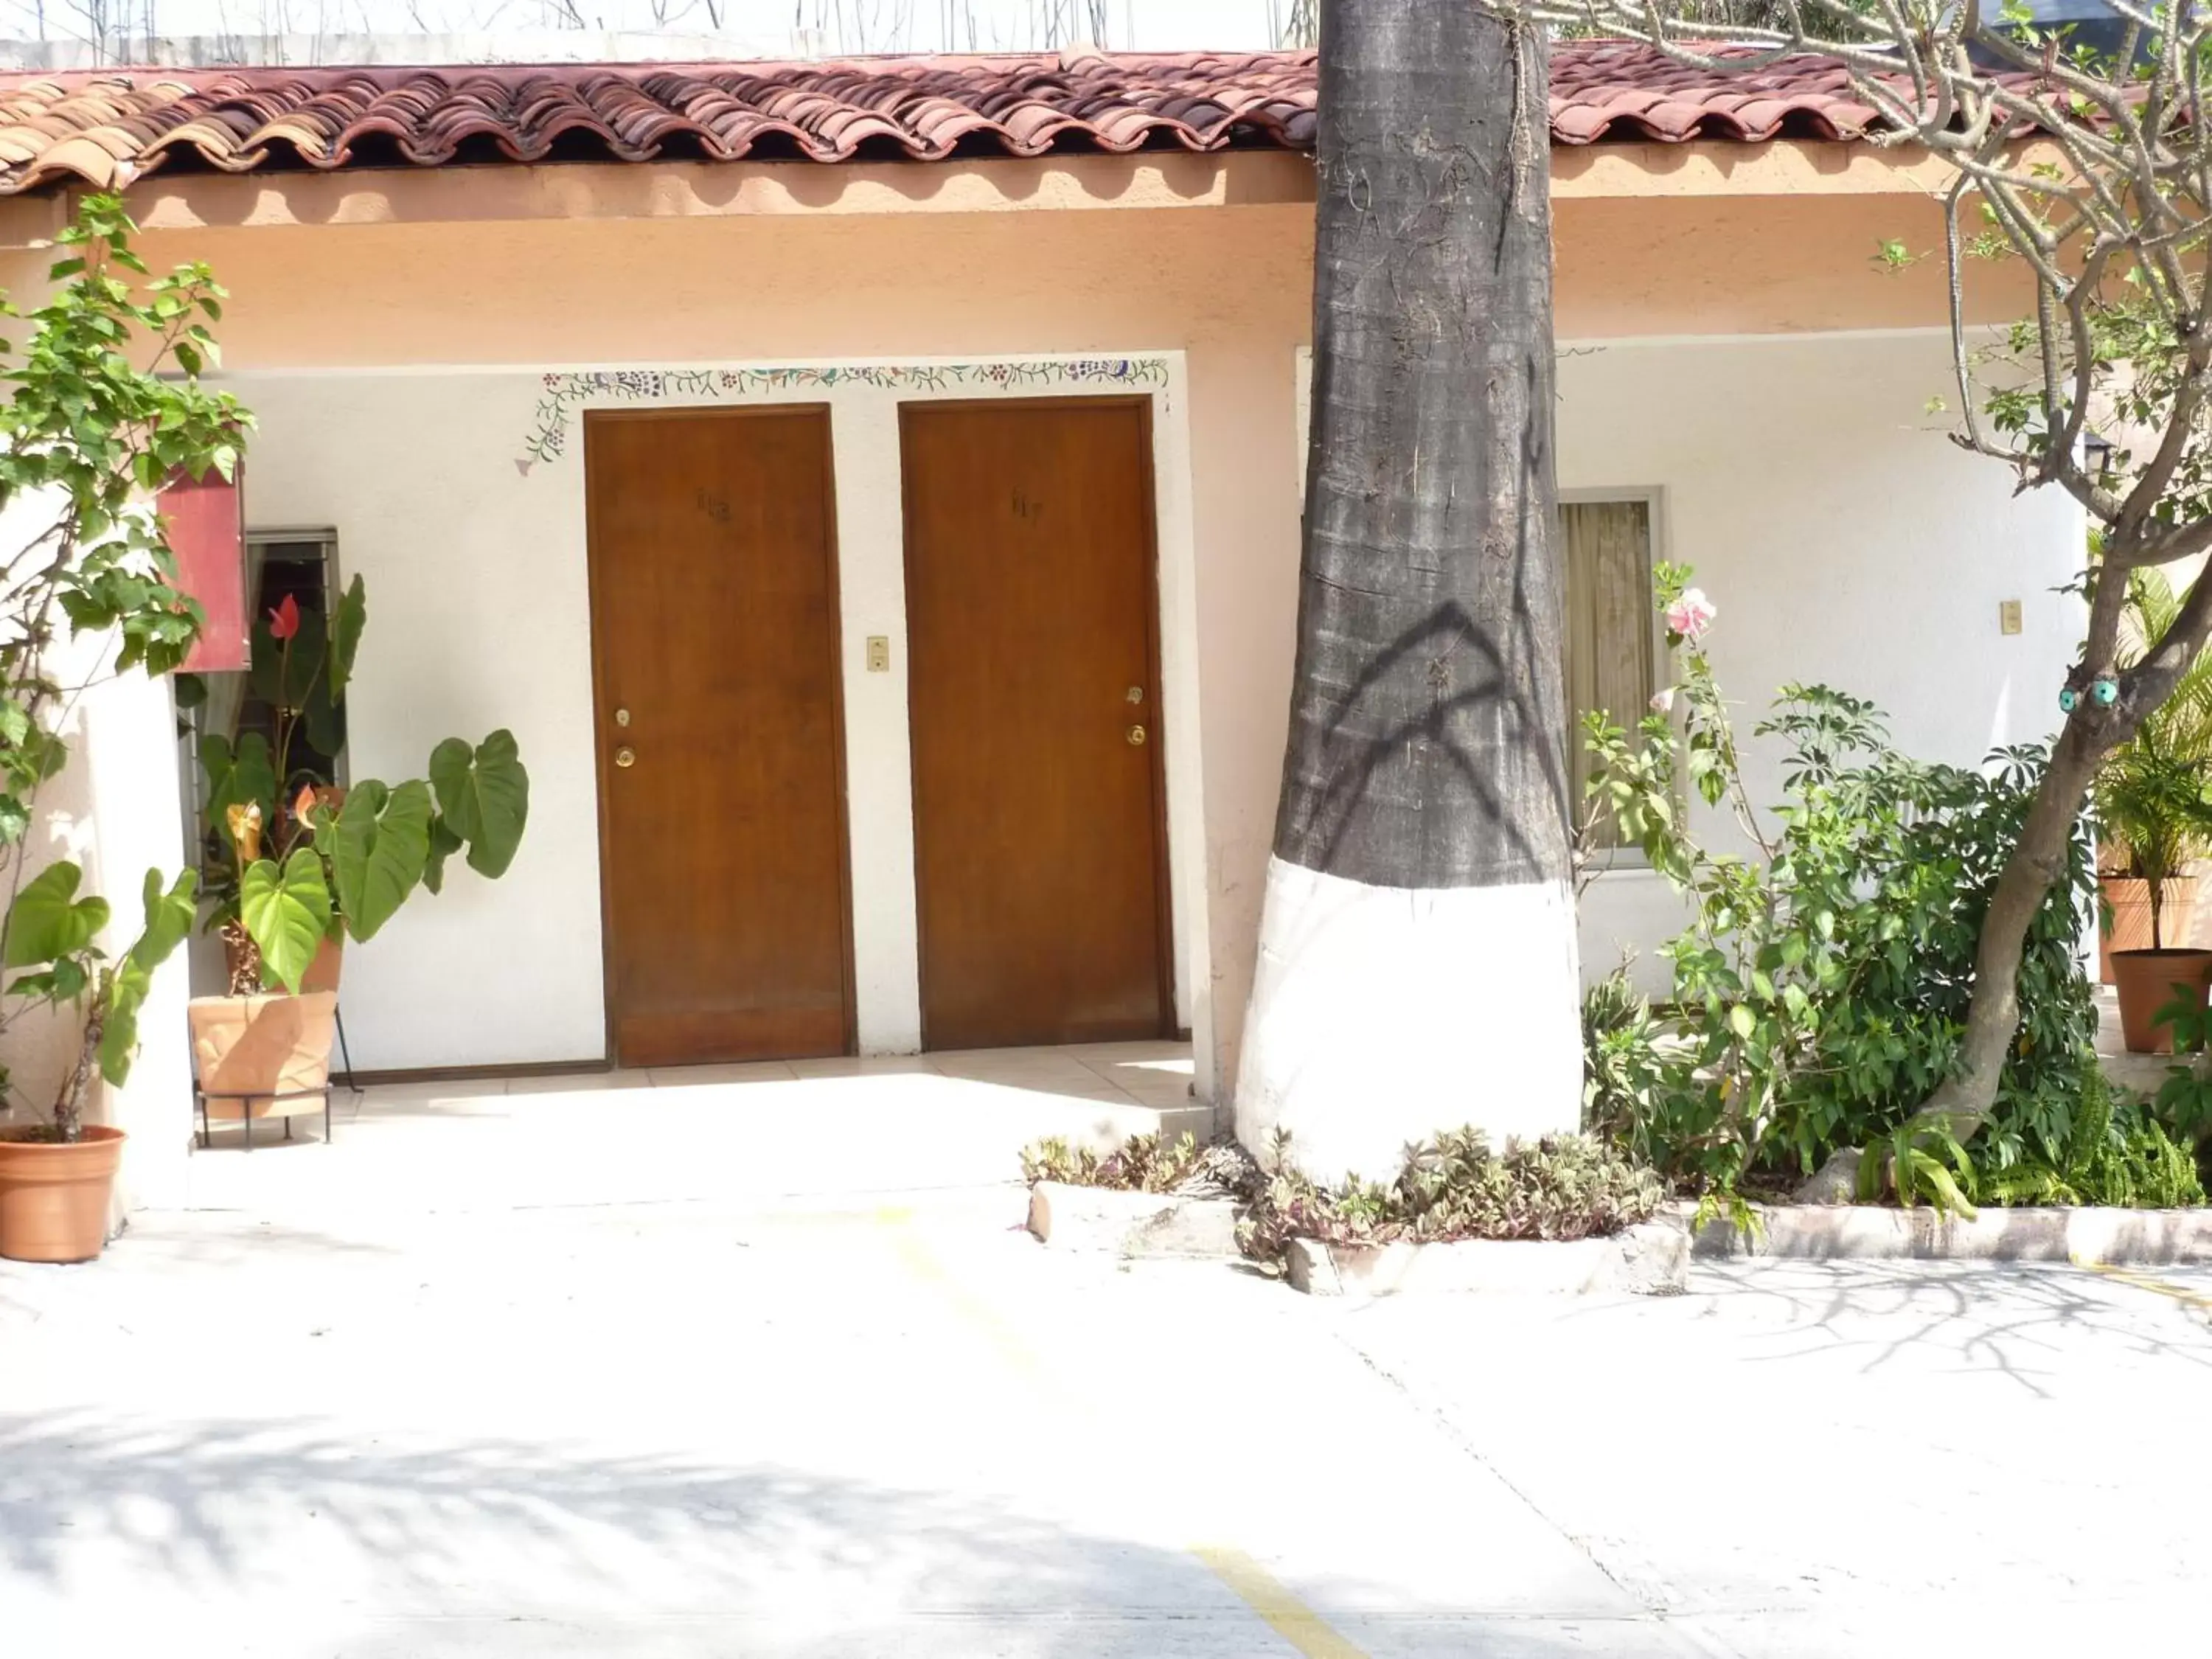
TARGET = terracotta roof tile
(108,127)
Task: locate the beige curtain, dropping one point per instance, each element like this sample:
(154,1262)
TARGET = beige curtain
(1609,623)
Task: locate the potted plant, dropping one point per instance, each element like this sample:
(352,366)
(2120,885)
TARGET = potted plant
(2176,734)
(301,665)
(57,1178)
(303,867)
(2152,809)
(104,406)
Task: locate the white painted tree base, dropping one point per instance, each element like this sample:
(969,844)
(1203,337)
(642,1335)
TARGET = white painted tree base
(1381,1015)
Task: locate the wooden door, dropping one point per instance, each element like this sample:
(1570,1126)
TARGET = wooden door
(721,798)
(1035,705)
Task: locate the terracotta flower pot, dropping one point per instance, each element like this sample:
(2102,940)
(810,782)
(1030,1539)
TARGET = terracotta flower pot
(248,1051)
(322,973)
(2128,899)
(2146,982)
(54,1195)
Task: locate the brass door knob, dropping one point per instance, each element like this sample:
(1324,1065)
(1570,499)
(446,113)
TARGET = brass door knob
(625,756)
(1136,736)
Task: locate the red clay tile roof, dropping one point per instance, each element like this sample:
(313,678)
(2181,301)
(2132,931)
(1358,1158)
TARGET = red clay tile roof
(108,127)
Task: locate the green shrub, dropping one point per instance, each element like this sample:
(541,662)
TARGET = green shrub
(1562,1187)
(1819,993)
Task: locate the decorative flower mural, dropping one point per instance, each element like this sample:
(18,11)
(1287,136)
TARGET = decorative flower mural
(567,393)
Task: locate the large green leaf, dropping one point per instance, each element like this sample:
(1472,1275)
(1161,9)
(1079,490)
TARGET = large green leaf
(484,796)
(345,637)
(444,843)
(287,911)
(235,777)
(323,720)
(378,847)
(48,920)
(168,919)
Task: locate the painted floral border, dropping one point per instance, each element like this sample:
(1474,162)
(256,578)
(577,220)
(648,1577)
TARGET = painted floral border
(565,393)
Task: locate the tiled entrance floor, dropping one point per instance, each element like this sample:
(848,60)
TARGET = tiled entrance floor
(770,1130)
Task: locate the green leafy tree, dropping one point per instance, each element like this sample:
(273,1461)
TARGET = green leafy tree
(103,408)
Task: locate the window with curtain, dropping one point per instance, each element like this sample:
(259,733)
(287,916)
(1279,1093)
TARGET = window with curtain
(1611,658)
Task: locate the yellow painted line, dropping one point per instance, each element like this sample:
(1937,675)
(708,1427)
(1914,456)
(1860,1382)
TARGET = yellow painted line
(2188,1298)
(1288,1617)
(922,1263)
(1306,1630)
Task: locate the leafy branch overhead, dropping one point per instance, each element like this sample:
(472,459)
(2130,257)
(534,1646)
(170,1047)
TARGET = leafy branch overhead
(2084,165)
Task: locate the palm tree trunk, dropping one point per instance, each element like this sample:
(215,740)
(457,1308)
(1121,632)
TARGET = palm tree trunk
(1417,955)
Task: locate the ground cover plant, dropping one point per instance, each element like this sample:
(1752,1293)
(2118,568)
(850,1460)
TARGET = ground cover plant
(1457,1187)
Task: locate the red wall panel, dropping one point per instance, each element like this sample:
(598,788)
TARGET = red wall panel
(207,532)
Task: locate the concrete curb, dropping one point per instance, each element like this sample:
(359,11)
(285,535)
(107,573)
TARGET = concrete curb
(1652,1259)
(1131,1223)
(1868,1232)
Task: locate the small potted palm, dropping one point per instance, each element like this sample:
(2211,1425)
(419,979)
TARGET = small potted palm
(2153,815)
(299,864)
(2154,820)
(2134,788)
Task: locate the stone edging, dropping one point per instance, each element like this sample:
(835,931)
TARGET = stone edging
(1072,1218)
(1868,1232)
(1652,1259)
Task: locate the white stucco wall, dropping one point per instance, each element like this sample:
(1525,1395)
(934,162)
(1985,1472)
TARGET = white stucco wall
(1845,540)
(476,563)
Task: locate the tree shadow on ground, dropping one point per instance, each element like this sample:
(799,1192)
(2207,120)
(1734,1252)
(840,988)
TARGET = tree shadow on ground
(481,1542)
(2004,1317)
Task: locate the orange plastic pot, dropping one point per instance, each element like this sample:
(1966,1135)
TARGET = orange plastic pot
(2127,926)
(2146,981)
(54,1195)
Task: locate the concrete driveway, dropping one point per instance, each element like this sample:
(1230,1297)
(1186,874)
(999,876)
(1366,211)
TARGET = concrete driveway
(891,1425)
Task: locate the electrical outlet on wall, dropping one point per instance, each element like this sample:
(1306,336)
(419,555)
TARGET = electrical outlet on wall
(2008,616)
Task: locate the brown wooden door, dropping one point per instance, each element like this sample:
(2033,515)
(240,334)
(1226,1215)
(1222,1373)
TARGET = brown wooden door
(1037,829)
(714,631)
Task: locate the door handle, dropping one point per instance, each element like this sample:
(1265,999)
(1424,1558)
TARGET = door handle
(625,756)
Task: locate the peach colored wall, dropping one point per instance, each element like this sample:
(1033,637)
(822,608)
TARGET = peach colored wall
(1229,286)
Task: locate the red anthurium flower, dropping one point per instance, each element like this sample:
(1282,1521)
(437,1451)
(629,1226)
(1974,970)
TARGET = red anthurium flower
(284,620)
(305,804)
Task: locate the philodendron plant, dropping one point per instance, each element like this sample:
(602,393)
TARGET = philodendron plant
(311,859)
(50,930)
